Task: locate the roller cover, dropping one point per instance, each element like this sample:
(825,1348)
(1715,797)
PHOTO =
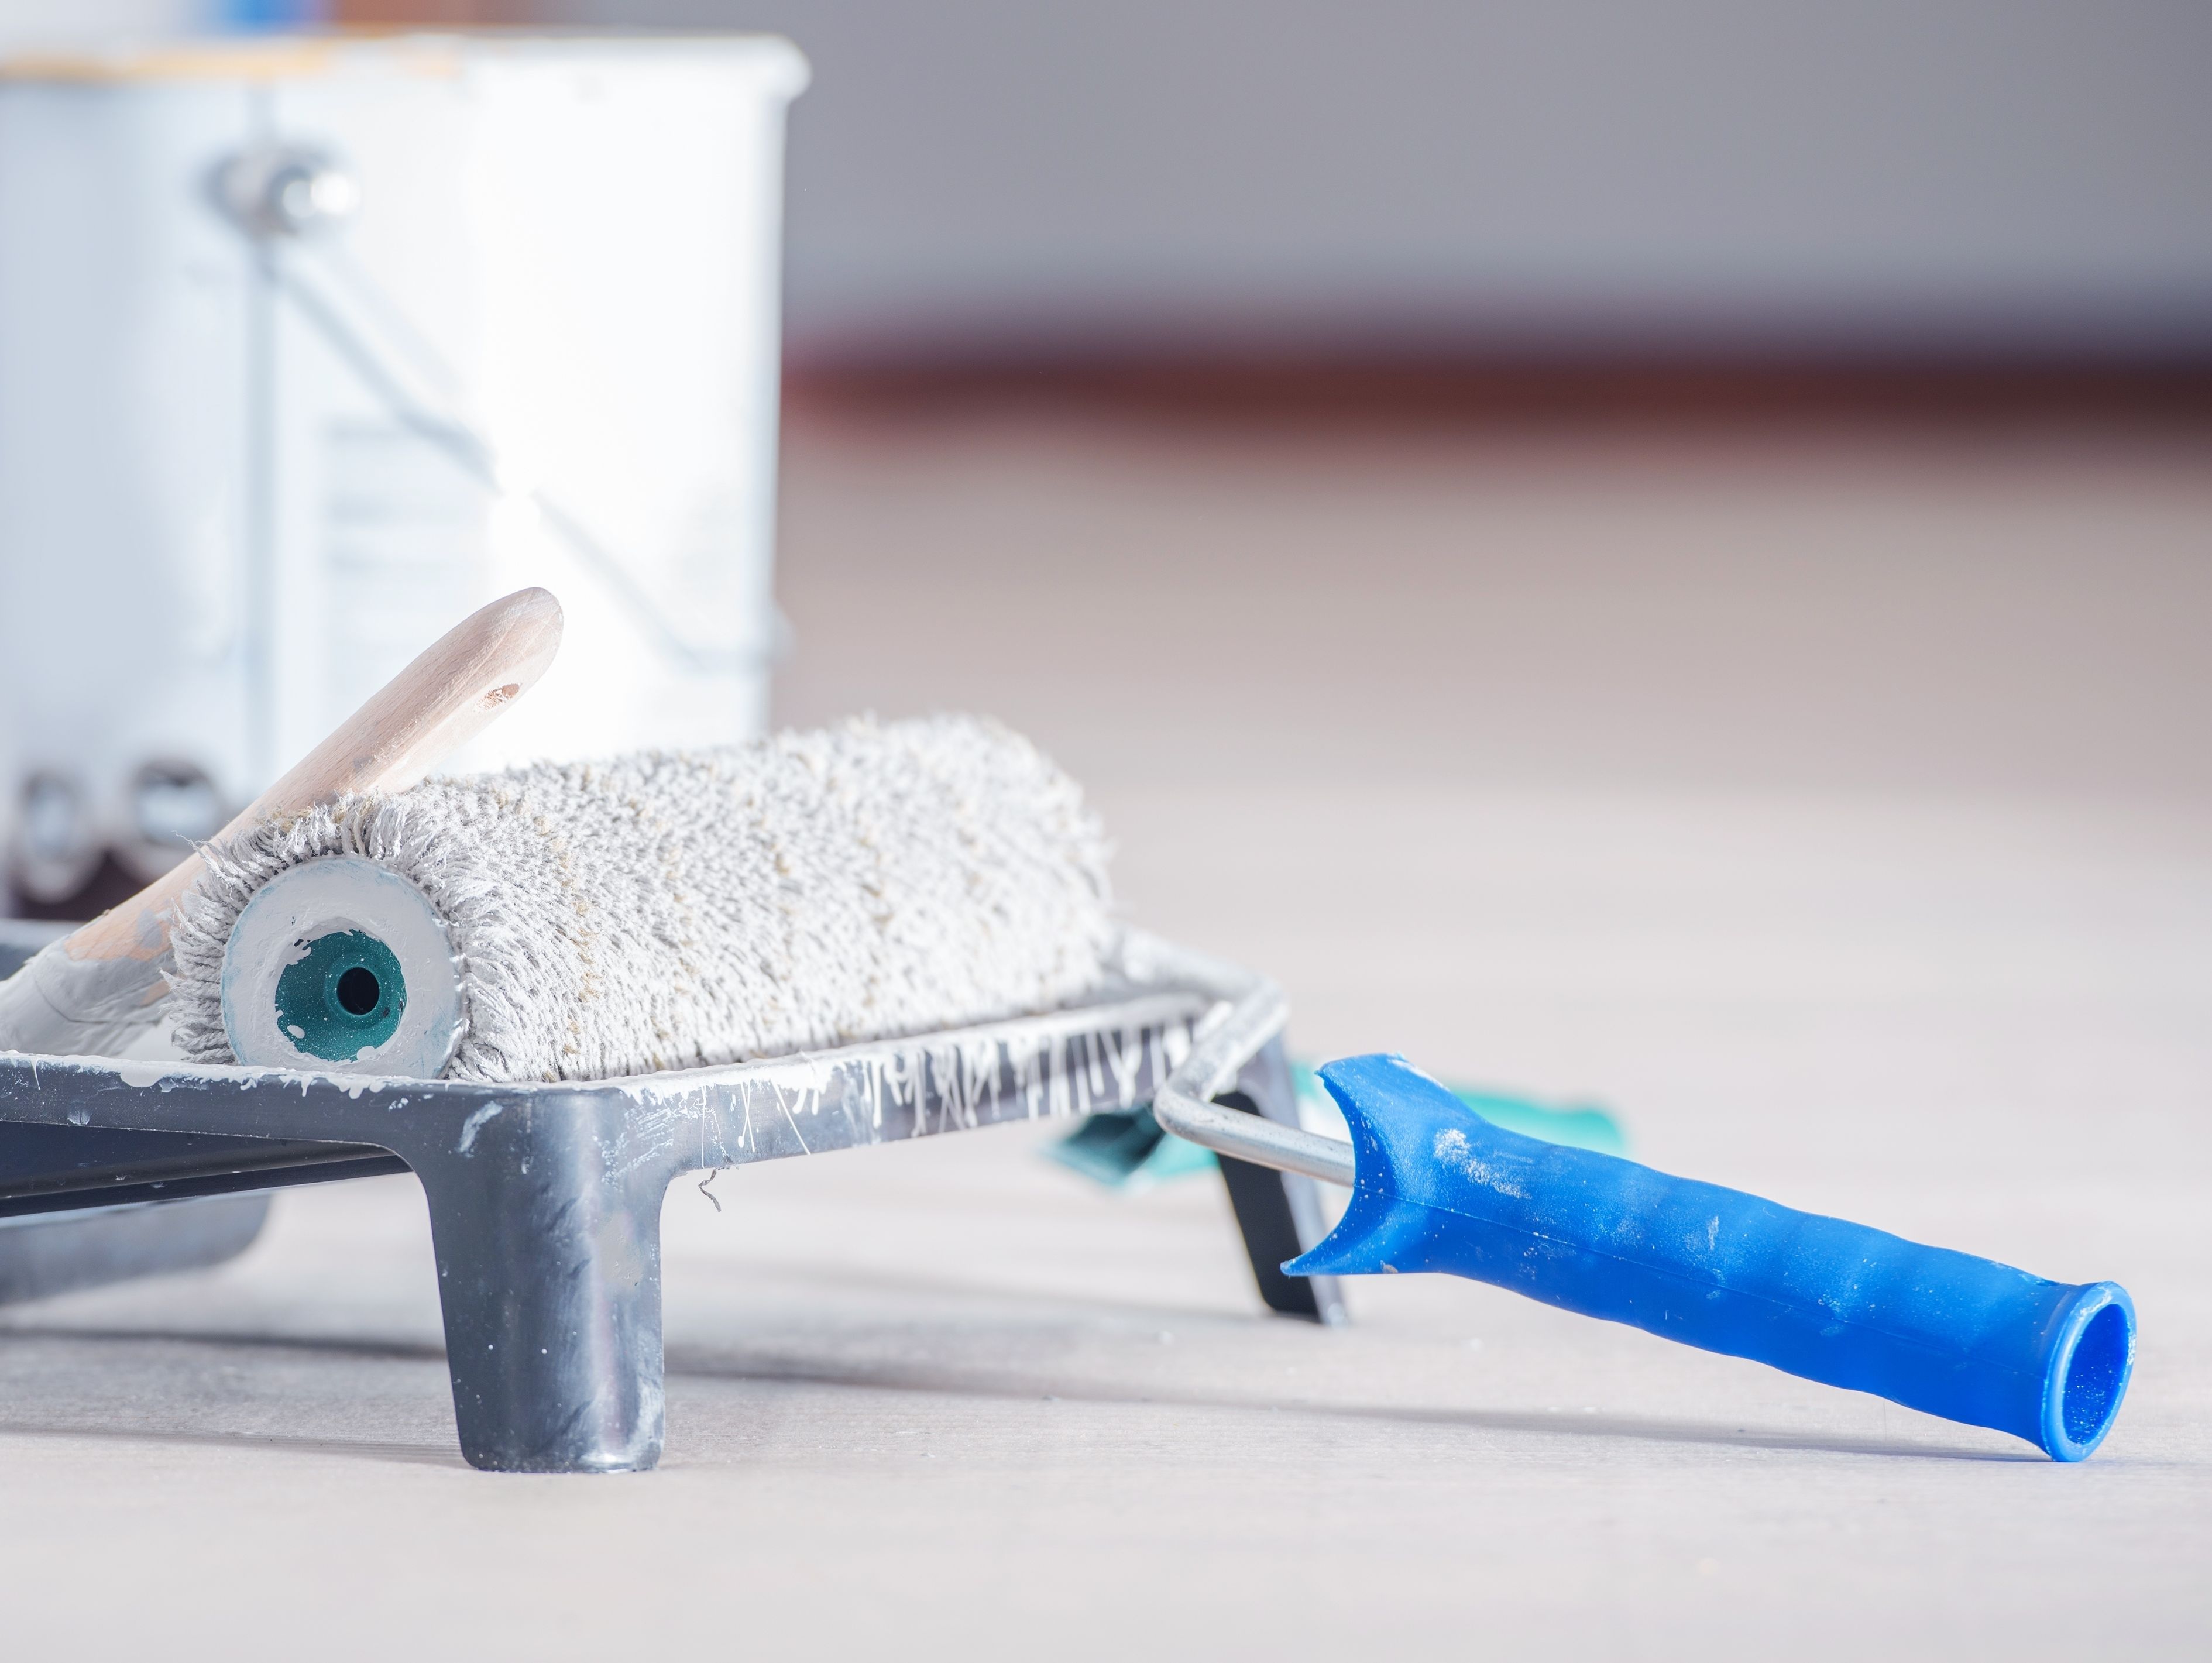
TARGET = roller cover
(1440,1189)
(669,910)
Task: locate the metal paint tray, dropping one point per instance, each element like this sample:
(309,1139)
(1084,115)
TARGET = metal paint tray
(545,1199)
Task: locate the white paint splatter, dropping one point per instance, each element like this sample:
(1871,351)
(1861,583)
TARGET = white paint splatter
(1451,1149)
(476,1123)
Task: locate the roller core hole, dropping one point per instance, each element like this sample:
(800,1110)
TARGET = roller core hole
(359,991)
(2094,1375)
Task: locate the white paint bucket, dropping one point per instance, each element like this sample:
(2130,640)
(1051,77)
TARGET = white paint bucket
(309,347)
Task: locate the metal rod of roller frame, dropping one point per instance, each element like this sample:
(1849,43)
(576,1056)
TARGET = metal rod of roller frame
(1185,1106)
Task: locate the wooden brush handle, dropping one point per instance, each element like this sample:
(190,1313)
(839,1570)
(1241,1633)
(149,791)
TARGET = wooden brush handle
(101,982)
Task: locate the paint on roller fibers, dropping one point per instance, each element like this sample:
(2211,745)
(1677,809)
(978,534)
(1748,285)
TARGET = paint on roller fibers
(677,910)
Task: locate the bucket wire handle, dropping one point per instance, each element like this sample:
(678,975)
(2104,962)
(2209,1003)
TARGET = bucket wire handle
(284,197)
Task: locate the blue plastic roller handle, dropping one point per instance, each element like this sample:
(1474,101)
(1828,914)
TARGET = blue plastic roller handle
(1440,1189)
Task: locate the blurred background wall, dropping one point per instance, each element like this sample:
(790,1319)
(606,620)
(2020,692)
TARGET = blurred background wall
(989,179)
(1969,176)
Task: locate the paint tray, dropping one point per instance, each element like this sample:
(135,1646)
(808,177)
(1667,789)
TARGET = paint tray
(545,1199)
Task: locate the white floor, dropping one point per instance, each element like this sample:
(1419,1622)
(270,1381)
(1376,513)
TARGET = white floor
(1837,812)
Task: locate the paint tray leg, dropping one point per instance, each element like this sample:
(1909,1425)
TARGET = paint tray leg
(1278,1212)
(549,1269)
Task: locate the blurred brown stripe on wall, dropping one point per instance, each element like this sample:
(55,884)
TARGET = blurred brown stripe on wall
(1479,389)
(444,14)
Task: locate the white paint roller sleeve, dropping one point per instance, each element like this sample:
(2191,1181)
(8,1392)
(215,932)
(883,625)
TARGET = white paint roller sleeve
(657,911)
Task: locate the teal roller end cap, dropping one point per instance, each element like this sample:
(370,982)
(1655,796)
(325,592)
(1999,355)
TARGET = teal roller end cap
(344,995)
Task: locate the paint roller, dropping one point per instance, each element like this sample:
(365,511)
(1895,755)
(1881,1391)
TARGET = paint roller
(659,912)
(651,912)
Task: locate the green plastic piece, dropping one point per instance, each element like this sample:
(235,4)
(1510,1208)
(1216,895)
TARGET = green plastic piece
(344,996)
(1128,1150)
